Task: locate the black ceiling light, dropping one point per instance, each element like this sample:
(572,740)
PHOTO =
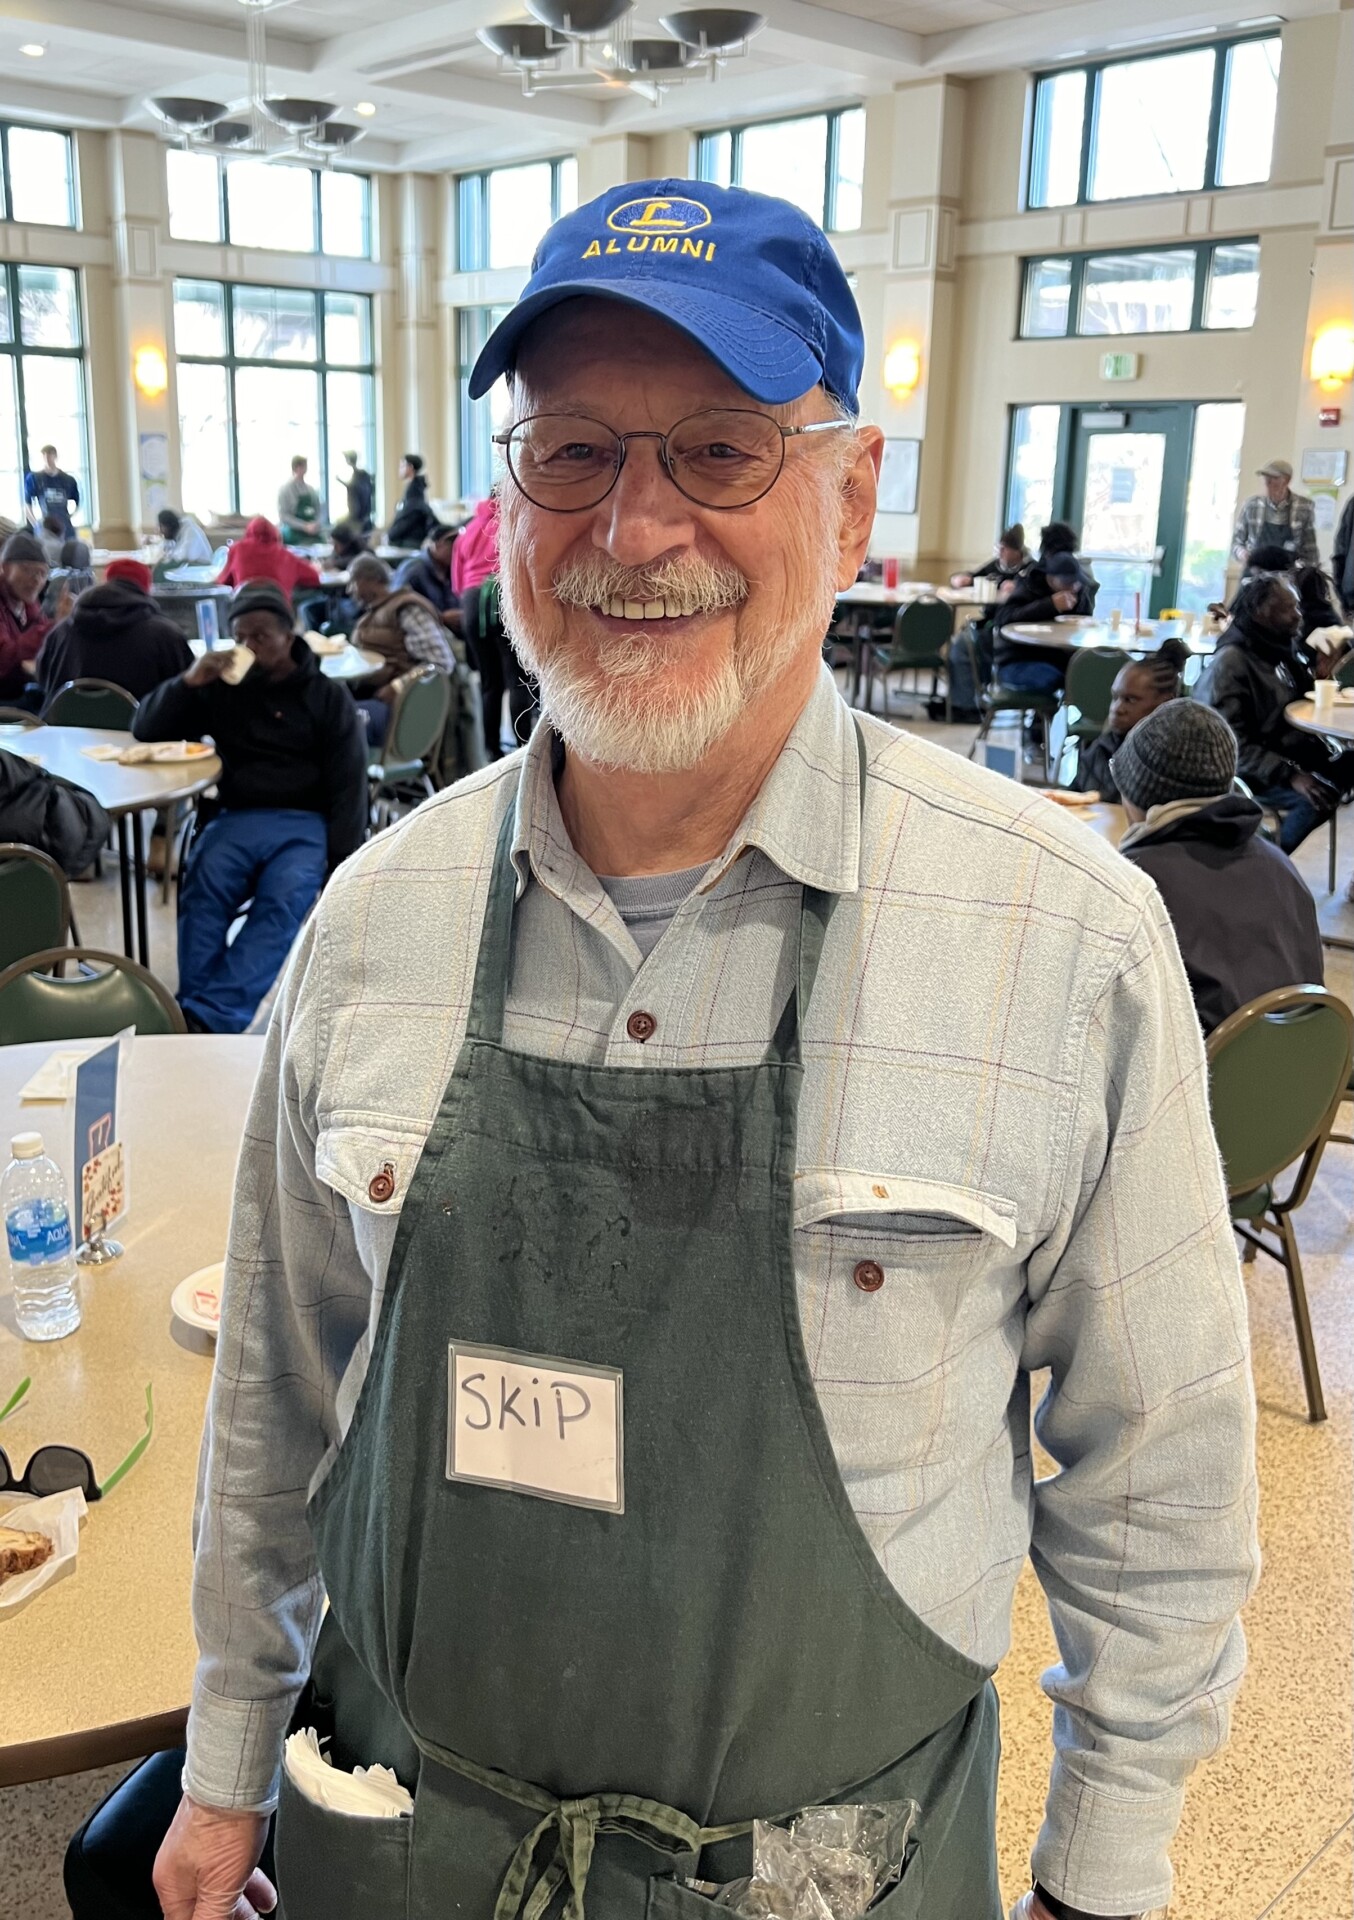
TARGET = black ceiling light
(579,19)
(298,115)
(717,30)
(523,42)
(187,114)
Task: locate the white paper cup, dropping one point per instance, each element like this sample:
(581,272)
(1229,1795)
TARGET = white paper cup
(1323,696)
(238,665)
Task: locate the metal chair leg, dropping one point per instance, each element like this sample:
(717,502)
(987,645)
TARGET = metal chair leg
(1297,1294)
(1330,854)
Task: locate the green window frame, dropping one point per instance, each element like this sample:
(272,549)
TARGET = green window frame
(234,362)
(7,127)
(223,234)
(1094,71)
(1079,263)
(17,353)
(472,206)
(708,156)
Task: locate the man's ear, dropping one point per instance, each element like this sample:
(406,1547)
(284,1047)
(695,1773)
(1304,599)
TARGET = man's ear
(860,493)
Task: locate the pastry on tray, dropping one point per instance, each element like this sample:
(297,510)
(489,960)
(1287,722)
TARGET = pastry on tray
(20,1552)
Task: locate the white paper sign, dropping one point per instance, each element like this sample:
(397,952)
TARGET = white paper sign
(533,1424)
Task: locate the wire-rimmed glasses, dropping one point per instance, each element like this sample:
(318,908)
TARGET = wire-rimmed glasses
(722,457)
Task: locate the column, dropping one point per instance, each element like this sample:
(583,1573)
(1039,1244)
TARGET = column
(144,424)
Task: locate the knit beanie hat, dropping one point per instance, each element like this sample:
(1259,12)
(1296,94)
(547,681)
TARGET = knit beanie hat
(261,596)
(22,547)
(134,572)
(1182,751)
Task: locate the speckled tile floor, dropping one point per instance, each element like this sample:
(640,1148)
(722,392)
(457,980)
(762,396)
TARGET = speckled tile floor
(1267,1831)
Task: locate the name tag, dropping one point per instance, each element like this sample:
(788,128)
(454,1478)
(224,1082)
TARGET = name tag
(532,1424)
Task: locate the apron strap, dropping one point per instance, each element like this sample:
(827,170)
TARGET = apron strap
(528,1889)
(487,1000)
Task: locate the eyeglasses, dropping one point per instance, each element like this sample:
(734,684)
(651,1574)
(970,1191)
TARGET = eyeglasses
(724,457)
(59,1469)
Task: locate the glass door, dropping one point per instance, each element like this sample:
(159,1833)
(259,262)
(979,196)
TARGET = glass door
(1127,496)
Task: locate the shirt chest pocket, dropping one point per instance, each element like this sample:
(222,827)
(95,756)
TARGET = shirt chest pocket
(902,1284)
(370,1165)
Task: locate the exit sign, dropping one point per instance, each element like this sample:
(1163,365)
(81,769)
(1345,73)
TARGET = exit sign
(1119,366)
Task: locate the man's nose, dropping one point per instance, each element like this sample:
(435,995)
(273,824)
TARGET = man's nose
(644,516)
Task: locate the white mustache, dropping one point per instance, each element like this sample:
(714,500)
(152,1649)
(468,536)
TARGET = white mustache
(686,586)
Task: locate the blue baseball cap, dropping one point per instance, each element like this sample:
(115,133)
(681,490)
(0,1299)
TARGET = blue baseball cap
(750,279)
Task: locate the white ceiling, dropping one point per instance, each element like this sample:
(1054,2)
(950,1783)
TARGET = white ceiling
(441,101)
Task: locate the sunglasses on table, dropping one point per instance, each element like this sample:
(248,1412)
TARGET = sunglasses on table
(59,1469)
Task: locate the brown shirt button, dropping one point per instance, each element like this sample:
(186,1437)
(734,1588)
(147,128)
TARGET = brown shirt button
(382,1185)
(868,1276)
(641,1026)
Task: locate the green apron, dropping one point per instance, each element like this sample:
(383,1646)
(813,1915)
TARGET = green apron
(595,1705)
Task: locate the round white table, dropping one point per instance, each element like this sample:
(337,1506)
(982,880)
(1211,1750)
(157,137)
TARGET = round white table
(124,792)
(1075,632)
(1338,724)
(352,663)
(98,1667)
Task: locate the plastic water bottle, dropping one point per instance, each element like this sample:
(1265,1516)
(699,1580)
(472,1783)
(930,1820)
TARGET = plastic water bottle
(41,1254)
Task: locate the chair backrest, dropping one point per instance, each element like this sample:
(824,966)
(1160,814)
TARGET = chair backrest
(420,713)
(920,632)
(90,703)
(35,902)
(1277,1068)
(36,1006)
(18,717)
(1091,674)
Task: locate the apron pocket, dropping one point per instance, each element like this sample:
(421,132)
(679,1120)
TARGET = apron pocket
(670,1900)
(339,1866)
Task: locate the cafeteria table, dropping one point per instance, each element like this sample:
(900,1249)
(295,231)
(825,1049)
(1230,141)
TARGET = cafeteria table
(1075,630)
(1338,724)
(868,597)
(98,1667)
(352,663)
(124,792)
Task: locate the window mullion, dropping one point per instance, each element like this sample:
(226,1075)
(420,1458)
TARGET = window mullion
(1089,116)
(1076,287)
(830,172)
(1220,57)
(4,166)
(1203,273)
(21,407)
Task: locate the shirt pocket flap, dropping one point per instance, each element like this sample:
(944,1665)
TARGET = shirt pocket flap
(920,1206)
(370,1166)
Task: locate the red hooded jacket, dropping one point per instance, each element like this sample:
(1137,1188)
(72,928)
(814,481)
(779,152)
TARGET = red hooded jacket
(260,555)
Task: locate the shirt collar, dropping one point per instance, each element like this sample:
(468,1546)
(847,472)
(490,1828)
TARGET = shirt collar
(805,818)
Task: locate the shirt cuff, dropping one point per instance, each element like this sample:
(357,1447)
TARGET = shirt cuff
(235,1751)
(1106,1854)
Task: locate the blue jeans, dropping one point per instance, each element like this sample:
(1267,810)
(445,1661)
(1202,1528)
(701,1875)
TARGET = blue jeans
(1030,676)
(277,859)
(1297,816)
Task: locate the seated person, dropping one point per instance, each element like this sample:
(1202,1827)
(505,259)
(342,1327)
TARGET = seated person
(260,555)
(345,543)
(398,624)
(114,632)
(413,519)
(1055,583)
(1011,555)
(23,624)
(1316,596)
(186,545)
(51,537)
(292,804)
(429,573)
(41,810)
(1253,677)
(1140,687)
(1243,917)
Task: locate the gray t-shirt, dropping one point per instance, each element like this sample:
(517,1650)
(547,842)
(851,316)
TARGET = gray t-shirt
(648,903)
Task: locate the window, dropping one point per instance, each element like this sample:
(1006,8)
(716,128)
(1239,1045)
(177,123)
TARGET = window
(816,160)
(478,419)
(1210,503)
(260,203)
(42,380)
(265,373)
(1148,290)
(1032,466)
(37,178)
(1177,122)
(503,213)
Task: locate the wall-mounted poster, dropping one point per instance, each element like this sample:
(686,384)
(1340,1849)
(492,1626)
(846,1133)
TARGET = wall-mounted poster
(898,476)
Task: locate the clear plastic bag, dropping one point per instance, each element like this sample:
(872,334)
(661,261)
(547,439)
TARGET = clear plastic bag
(831,1863)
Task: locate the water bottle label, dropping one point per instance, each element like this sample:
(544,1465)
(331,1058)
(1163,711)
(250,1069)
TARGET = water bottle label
(39,1234)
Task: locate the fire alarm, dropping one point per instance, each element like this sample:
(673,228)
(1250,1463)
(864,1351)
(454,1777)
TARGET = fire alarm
(1328,417)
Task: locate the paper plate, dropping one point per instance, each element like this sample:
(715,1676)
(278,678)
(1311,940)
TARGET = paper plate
(197,1300)
(175,753)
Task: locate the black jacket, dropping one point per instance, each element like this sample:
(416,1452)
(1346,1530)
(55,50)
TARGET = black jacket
(1030,602)
(44,811)
(1250,680)
(1244,919)
(1093,774)
(414,518)
(117,633)
(1342,557)
(296,743)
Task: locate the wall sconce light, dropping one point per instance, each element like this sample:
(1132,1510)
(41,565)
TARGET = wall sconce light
(150,372)
(1333,357)
(902,368)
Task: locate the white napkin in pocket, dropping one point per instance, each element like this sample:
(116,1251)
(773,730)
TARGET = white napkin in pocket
(370,1791)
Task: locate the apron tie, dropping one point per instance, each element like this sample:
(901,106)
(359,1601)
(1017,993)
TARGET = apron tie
(575,1825)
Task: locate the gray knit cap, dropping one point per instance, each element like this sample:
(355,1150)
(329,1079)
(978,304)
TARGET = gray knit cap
(261,596)
(1182,751)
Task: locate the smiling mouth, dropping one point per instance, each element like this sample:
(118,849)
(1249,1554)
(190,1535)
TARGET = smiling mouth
(659,609)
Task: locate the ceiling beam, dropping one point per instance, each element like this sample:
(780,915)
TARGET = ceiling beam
(1090,27)
(492,99)
(205,41)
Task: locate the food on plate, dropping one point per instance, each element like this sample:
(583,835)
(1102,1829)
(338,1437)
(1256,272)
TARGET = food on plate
(20,1552)
(207,1302)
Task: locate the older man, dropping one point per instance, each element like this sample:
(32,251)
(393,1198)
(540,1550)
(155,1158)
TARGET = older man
(402,627)
(641,1253)
(1278,517)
